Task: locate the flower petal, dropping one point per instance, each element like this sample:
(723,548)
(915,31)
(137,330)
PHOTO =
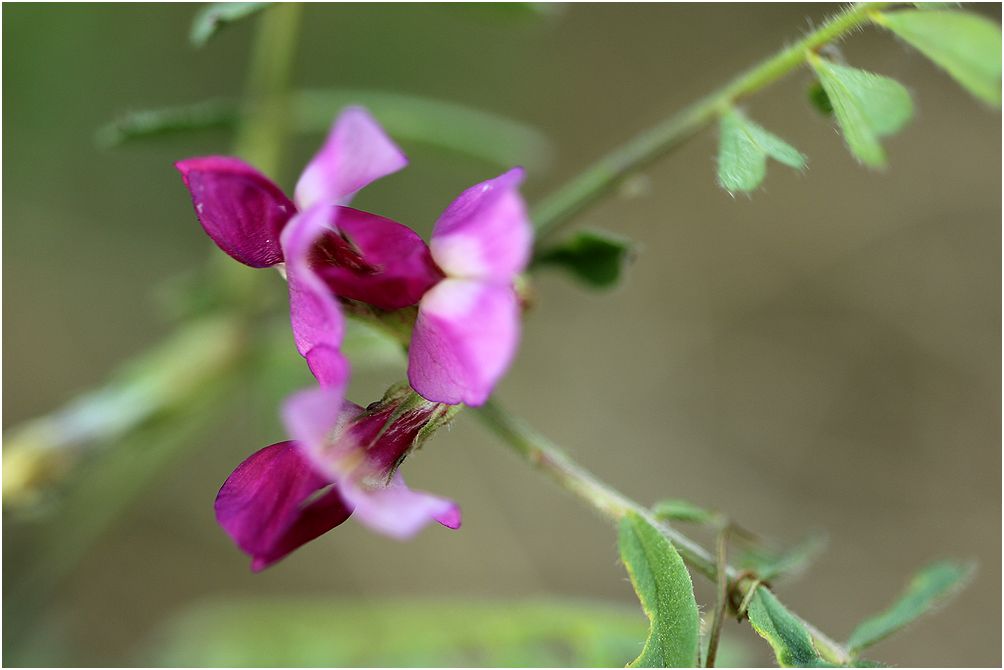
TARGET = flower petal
(313,416)
(239,208)
(485,233)
(356,153)
(271,505)
(400,512)
(374,260)
(314,312)
(464,339)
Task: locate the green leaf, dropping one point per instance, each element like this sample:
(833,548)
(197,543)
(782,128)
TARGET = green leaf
(867,106)
(769,565)
(787,636)
(819,100)
(438,123)
(595,257)
(929,587)
(684,510)
(396,633)
(446,125)
(743,150)
(150,123)
(215,15)
(666,593)
(967,46)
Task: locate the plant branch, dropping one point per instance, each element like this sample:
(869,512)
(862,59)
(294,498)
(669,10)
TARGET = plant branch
(550,459)
(604,175)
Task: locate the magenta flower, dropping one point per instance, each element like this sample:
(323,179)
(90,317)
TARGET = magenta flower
(468,324)
(290,493)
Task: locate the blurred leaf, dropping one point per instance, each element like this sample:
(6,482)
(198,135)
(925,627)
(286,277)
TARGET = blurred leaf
(867,106)
(666,593)
(438,123)
(503,12)
(167,121)
(769,565)
(446,125)
(929,587)
(819,100)
(215,15)
(404,633)
(787,636)
(967,46)
(595,257)
(683,510)
(743,150)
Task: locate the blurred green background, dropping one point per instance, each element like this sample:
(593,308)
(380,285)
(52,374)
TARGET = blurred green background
(823,355)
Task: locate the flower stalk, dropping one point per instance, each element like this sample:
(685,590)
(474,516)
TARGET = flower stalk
(550,459)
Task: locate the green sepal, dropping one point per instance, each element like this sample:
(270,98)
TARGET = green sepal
(867,106)
(931,586)
(683,510)
(965,45)
(666,593)
(743,150)
(594,257)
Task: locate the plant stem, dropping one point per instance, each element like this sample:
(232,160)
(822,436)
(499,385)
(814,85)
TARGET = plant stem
(604,175)
(547,457)
(262,131)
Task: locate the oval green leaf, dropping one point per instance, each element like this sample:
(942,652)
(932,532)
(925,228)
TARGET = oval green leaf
(743,150)
(595,257)
(666,593)
(787,636)
(867,106)
(966,45)
(928,588)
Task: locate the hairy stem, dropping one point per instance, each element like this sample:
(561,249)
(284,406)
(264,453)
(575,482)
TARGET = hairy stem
(550,459)
(604,175)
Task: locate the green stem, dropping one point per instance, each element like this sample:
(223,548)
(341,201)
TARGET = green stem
(550,459)
(261,135)
(604,175)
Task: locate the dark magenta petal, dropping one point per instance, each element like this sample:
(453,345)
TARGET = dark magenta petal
(275,501)
(374,260)
(239,207)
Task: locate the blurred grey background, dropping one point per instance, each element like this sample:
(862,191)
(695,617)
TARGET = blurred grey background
(822,355)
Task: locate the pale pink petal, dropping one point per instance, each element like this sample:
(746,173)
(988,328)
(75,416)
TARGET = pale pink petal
(464,339)
(314,312)
(485,233)
(398,511)
(356,153)
(238,207)
(313,417)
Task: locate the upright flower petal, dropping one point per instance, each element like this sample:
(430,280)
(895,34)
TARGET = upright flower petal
(485,233)
(374,260)
(314,312)
(239,208)
(464,339)
(356,153)
(275,502)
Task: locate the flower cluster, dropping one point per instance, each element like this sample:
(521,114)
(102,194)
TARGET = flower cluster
(343,459)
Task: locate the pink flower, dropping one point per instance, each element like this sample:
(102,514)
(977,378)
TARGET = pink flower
(342,461)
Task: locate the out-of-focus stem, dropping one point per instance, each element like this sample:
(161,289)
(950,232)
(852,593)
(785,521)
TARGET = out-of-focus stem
(550,459)
(604,175)
(39,452)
